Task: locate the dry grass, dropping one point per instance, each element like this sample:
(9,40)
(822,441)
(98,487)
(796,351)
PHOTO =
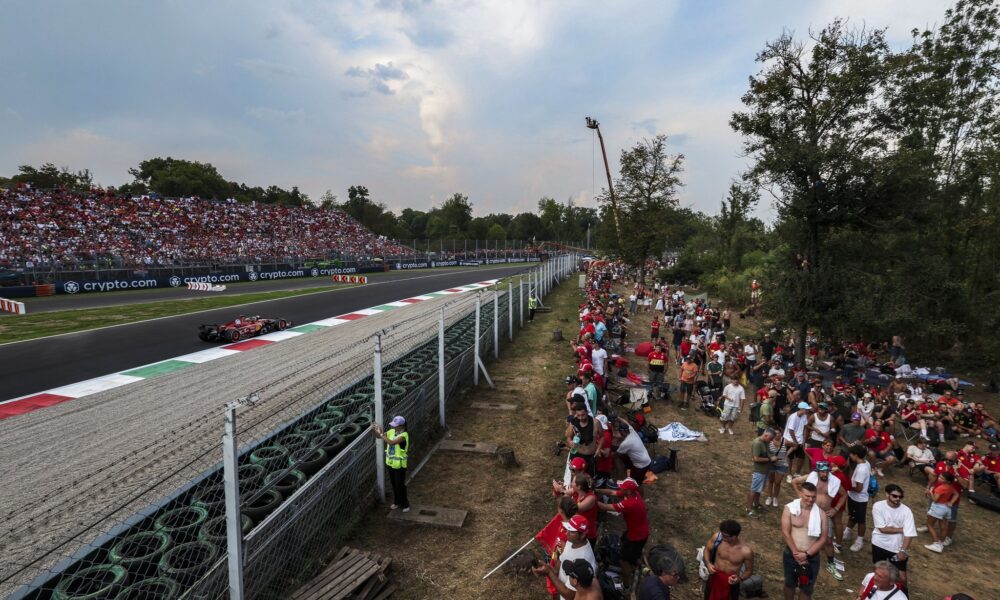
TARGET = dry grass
(506,507)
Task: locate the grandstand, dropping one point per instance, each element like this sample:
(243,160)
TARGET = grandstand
(54,229)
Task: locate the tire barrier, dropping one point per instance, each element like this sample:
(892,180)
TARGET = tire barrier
(293,441)
(189,534)
(205,287)
(181,521)
(156,588)
(98,582)
(286,483)
(262,505)
(308,460)
(145,546)
(188,560)
(270,457)
(350,279)
(214,529)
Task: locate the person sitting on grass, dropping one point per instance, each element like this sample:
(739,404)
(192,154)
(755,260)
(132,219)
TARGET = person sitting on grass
(921,458)
(879,443)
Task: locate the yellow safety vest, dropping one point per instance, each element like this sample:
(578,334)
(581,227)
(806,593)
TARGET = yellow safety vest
(395,454)
(532,303)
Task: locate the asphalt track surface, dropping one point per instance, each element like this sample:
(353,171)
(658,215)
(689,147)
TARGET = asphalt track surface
(33,366)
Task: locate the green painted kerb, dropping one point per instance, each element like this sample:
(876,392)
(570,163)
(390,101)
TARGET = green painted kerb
(160,368)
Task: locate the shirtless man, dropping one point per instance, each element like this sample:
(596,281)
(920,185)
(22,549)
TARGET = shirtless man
(827,494)
(733,562)
(802,543)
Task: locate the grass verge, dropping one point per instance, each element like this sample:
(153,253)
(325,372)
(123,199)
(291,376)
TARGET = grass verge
(27,327)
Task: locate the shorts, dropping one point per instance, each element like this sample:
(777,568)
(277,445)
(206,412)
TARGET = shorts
(883,554)
(883,455)
(776,468)
(757,481)
(686,388)
(632,551)
(792,577)
(730,413)
(656,378)
(857,511)
(939,511)
(799,452)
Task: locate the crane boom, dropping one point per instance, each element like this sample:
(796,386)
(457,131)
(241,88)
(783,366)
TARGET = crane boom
(593,124)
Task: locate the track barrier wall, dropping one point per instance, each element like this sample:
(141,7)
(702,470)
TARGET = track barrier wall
(307,466)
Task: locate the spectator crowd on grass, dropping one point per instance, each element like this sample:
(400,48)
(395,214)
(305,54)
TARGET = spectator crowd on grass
(830,432)
(60,229)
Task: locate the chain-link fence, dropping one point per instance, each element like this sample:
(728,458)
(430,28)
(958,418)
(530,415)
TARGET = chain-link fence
(306,464)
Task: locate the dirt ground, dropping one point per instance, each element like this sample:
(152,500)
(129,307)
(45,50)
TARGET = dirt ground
(508,506)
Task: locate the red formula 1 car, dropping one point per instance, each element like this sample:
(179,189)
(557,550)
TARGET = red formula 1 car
(242,327)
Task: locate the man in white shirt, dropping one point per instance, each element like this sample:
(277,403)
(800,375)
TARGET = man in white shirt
(634,452)
(881,583)
(857,496)
(794,436)
(892,530)
(733,396)
(921,456)
(599,358)
(576,546)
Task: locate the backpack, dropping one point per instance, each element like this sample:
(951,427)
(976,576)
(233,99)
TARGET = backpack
(609,550)
(872,485)
(755,412)
(612,587)
(702,566)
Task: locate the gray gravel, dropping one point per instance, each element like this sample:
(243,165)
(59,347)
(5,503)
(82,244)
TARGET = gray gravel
(76,470)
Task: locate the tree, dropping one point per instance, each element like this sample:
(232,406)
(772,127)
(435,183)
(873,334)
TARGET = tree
(733,222)
(646,190)
(328,200)
(456,213)
(810,126)
(496,232)
(180,178)
(49,177)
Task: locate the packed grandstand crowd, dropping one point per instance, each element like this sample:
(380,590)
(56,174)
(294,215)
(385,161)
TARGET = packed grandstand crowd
(42,228)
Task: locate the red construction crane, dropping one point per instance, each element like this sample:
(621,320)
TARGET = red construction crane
(593,124)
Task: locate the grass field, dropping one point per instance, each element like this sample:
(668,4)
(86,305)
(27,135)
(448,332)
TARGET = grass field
(30,326)
(508,506)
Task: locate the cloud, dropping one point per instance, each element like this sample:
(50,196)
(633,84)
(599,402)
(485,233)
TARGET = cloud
(647,125)
(261,67)
(273,114)
(379,76)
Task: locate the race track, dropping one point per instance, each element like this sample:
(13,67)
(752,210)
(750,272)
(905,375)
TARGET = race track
(35,365)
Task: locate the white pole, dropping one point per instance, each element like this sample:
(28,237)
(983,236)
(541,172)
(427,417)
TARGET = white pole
(441,367)
(475,346)
(520,300)
(379,419)
(508,558)
(496,323)
(234,522)
(510,310)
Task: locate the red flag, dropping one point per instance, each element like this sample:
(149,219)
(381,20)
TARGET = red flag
(552,536)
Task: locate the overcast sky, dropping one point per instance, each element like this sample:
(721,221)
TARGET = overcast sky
(416,99)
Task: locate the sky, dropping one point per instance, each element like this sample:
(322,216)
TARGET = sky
(414,99)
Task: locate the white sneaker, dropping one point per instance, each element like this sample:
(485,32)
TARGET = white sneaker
(946,542)
(836,548)
(394,507)
(848,532)
(935,547)
(722,430)
(767,501)
(731,432)
(922,529)
(858,544)
(880,473)
(788,479)
(407,509)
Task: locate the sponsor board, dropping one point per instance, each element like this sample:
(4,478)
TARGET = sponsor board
(444,263)
(413,265)
(469,263)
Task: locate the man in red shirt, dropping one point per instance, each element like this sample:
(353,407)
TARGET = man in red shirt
(654,329)
(951,464)
(879,443)
(930,413)
(988,470)
(633,509)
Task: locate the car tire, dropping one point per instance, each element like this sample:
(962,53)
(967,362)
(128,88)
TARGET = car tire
(283,324)
(189,560)
(81,584)
(161,588)
(139,547)
(232,335)
(264,505)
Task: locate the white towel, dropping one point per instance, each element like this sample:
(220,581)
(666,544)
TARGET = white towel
(832,483)
(815,527)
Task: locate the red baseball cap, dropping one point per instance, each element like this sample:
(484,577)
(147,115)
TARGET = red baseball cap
(578,464)
(577,523)
(628,484)
(838,461)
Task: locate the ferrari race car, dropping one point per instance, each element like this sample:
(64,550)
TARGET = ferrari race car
(241,327)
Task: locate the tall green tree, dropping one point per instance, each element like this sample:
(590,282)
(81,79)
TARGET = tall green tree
(646,191)
(810,126)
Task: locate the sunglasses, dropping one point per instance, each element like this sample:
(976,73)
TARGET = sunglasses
(896,496)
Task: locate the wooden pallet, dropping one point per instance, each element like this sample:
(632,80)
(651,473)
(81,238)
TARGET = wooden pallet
(352,575)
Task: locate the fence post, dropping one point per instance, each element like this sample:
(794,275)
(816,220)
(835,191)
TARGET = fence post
(496,323)
(475,346)
(520,299)
(510,310)
(234,523)
(441,389)
(379,419)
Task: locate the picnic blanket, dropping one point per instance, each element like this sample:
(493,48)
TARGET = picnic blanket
(677,432)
